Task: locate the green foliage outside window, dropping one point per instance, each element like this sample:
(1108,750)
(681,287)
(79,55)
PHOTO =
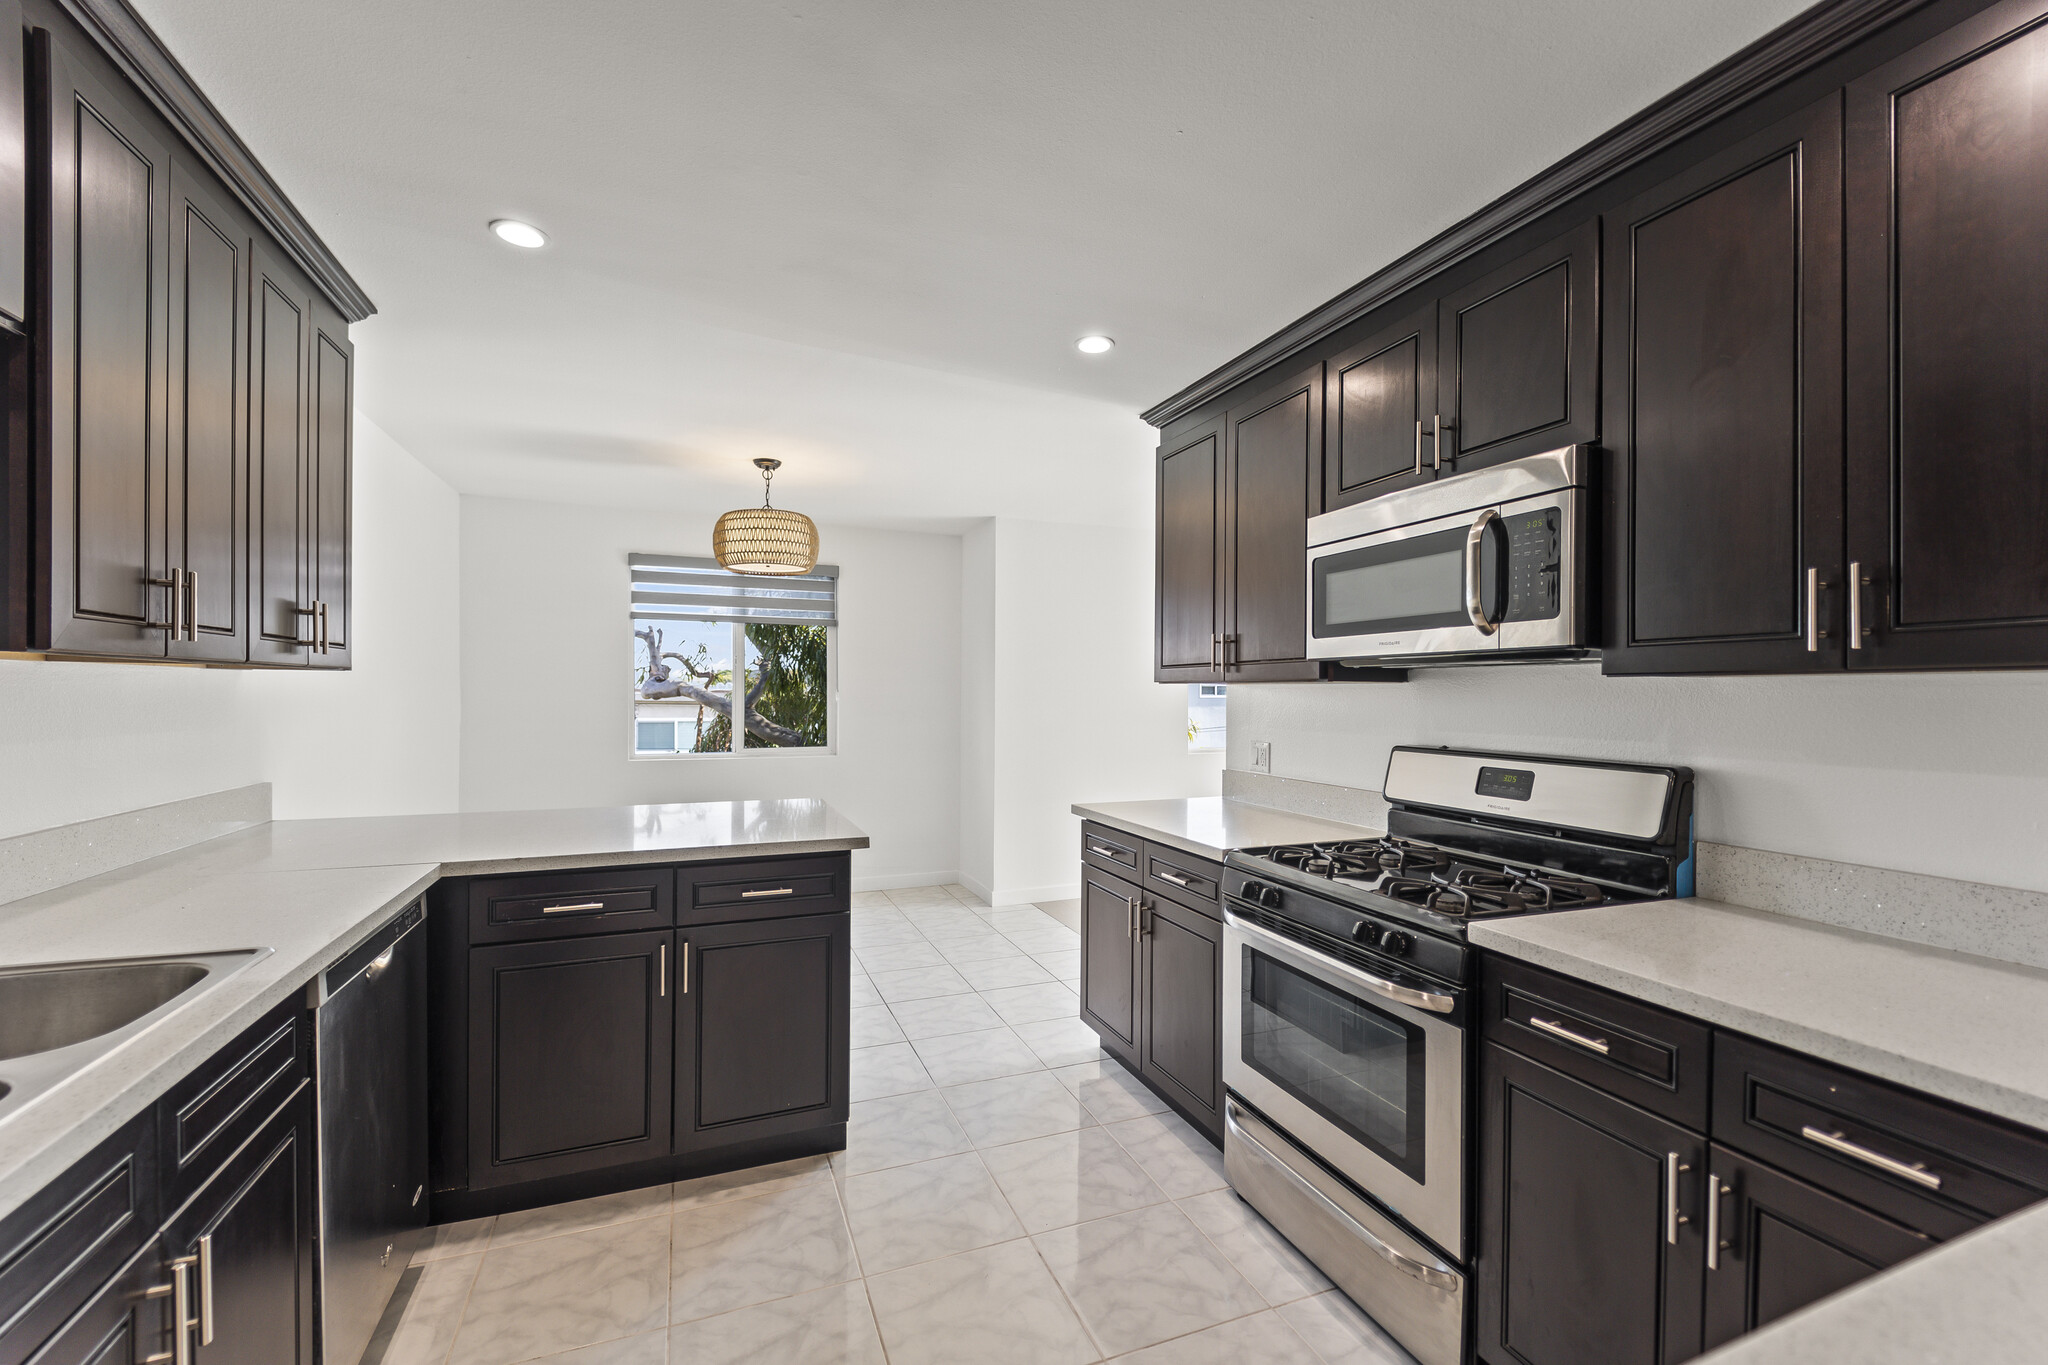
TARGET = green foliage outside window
(786,678)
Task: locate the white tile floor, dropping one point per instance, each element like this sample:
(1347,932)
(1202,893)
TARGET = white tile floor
(1008,1194)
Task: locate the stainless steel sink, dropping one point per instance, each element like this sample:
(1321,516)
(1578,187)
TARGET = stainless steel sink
(58,1019)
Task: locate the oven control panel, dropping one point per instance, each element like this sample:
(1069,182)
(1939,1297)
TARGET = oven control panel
(1343,931)
(1535,565)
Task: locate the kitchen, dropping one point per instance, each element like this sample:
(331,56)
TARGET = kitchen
(953,1006)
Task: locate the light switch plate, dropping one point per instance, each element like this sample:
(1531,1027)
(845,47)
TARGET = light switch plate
(1262,757)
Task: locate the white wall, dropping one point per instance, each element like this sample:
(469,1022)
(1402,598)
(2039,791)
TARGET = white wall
(1064,682)
(547,654)
(80,740)
(1937,773)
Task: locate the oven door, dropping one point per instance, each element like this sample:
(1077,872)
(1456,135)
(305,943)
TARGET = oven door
(1434,587)
(1366,1073)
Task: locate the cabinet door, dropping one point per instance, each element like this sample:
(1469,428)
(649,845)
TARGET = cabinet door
(1271,444)
(280,349)
(1519,366)
(124,1323)
(101,366)
(208,451)
(570,1048)
(1783,1243)
(251,1230)
(1181,1043)
(762,1029)
(1109,961)
(329,484)
(1947,166)
(1724,374)
(1190,529)
(1577,1260)
(1381,398)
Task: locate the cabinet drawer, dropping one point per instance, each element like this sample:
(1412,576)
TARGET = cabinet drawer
(1927,1164)
(58,1248)
(1634,1051)
(1188,879)
(212,1111)
(762,888)
(555,904)
(1111,850)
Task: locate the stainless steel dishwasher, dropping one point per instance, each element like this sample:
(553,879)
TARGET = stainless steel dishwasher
(372,1065)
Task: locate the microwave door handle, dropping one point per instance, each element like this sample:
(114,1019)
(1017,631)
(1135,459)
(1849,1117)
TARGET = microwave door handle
(1475,544)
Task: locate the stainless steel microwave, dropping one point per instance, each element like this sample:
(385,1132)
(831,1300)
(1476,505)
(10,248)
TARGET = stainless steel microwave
(1486,567)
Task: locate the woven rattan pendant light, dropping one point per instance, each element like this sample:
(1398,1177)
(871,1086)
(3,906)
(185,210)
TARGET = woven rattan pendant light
(765,539)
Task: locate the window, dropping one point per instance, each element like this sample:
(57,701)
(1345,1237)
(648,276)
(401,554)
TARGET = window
(692,620)
(1205,717)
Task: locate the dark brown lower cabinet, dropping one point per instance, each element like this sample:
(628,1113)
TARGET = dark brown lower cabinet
(762,1029)
(1583,1256)
(250,1231)
(1181,972)
(569,1055)
(122,1324)
(1151,982)
(1109,961)
(1784,1244)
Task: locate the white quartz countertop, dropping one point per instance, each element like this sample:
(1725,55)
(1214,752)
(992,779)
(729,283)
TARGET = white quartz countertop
(1210,826)
(308,891)
(1966,1028)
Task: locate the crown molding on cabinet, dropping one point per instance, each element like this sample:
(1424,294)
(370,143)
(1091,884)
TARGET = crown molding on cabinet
(1823,32)
(134,47)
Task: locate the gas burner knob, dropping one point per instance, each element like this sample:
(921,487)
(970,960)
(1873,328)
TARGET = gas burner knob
(1395,943)
(1367,933)
(1260,894)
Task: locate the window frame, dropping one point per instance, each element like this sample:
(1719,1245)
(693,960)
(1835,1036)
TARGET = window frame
(635,754)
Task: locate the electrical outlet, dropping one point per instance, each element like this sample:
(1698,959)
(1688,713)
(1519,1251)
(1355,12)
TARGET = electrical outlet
(1262,757)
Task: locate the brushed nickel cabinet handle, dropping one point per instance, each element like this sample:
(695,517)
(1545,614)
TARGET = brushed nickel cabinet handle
(1557,1030)
(685,951)
(1858,581)
(1715,1189)
(1672,1217)
(1173,877)
(175,626)
(1418,447)
(1814,634)
(778,891)
(661,972)
(206,1290)
(1835,1142)
(314,612)
(1436,457)
(571,909)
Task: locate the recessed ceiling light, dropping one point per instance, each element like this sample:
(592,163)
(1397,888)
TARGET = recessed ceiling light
(1094,345)
(518,233)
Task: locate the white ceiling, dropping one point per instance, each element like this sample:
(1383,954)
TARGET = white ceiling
(864,235)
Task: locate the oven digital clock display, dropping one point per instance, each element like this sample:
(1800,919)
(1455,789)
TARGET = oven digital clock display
(1513,783)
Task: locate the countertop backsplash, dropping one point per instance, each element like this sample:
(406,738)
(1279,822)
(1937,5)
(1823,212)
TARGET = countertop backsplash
(2004,923)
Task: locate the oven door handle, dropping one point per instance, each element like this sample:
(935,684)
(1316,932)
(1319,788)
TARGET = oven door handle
(1435,1276)
(1433,1001)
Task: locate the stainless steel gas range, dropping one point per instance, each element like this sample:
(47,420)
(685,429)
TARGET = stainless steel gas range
(1345,971)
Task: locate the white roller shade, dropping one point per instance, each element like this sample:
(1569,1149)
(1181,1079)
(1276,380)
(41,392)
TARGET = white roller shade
(687,588)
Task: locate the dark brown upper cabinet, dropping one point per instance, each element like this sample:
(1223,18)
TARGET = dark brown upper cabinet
(208,412)
(106,585)
(329,479)
(1271,443)
(1187,549)
(284,351)
(1724,422)
(1381,402)
(13,173)
(1518,358)
(1947,193)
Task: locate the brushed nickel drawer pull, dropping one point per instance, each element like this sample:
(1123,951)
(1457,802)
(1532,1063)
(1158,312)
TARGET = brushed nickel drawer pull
(1835,1142)
(661,972)
(778,891)
(571,909)
(1558,1030)
(1173,877)
(685,950)
(1099,851)
(206,1290)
